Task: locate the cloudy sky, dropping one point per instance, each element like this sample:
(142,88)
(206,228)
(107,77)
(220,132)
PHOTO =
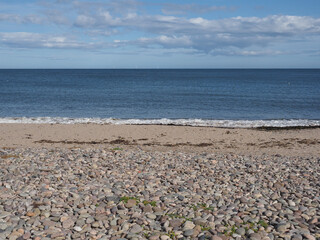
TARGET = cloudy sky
(160,34)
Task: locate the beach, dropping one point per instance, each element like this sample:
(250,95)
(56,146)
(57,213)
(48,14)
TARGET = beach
(91,181)
(290,141)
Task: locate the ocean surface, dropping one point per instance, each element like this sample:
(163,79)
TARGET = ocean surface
(225,98)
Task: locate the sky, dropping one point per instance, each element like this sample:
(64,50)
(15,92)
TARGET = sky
(160,34)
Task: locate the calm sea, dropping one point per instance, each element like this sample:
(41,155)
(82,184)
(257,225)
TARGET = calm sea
(189,97)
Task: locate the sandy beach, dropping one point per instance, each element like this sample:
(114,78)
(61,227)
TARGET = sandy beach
(287,141)
(89,181)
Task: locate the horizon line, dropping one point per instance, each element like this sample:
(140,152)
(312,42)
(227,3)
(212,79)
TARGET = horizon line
(233,68)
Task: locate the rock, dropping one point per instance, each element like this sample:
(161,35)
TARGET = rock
(147,208)
(181,198)
(3,226)
(291,203)
(200,221)
(77,228)
(4,214)
(131,203)
(309,236)
(241,231)
(136,229)
(255,236)
(151,216)
(243,200)
(296,237)
(27,235)
(313,220)
(175,223)
(64,218)
(188,225)
(283,227)
(15,235)
(164,237)
(154,237)
(69,223)
(188,233)
(215,237)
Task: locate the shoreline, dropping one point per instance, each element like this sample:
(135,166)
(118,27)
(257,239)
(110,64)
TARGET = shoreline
(293,141)
(194,122)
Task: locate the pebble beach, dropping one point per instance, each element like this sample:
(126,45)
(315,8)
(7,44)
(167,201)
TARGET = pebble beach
(135,194)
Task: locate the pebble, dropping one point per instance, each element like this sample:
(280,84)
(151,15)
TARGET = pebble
(282,227)
(131,203)
(255,236)
(215,237)
(77,228)
(136,229)
(164,237)
(309,236)
(69,223)
(188,233)
(241,231)
(151,216)
(176,223)
(188,225)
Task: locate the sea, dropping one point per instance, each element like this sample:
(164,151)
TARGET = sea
(245,98)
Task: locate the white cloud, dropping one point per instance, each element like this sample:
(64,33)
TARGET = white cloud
(31,18)
(177,9)
(37,40)
(207,35)
(166,41)
(271,25)
(247,53)
(9,17)
(84,21)
(97,22)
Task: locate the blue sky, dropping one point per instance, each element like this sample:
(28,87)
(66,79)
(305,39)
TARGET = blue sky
(160,34)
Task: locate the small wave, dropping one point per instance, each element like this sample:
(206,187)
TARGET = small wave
(165,121)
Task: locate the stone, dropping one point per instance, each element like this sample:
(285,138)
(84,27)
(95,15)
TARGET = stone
(27,235)
(241,231)
(3,226)
(69,223)
(151,216)
(188,233)
(154,237)
(296,237)
(136,229)
(291,203)
(309,236)
(164,237)
(175,223)
(188,225)
(255,236)
(77,228)
(281,228)
(215,237)
(64,218)
(131,203)
(200,221)
(147,208)
(4,214)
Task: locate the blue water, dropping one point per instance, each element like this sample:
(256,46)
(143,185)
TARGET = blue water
(154,94)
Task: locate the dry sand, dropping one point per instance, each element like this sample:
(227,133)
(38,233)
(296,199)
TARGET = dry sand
(287,142)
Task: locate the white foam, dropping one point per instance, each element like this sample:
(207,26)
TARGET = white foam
(165,121)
